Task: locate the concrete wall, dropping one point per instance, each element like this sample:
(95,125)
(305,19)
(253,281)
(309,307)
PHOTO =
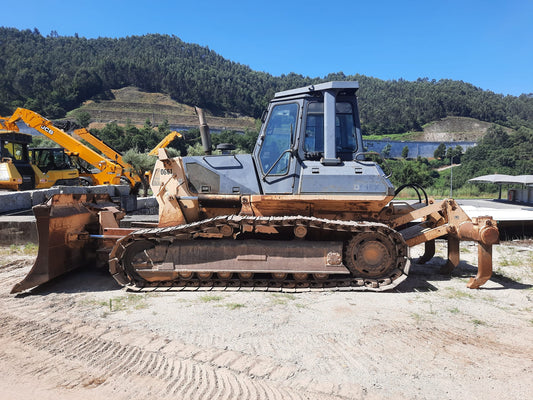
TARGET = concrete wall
(524,195)
(21,229)
(18,230)
(18,201)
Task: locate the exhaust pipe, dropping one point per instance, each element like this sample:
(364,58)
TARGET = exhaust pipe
(204,131)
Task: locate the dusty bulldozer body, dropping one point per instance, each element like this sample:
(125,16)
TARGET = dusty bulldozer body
(303,210)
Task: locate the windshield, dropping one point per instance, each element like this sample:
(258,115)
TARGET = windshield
(278,138)
(16,151)
(47,159)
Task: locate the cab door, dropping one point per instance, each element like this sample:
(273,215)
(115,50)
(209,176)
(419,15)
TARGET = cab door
(277,166)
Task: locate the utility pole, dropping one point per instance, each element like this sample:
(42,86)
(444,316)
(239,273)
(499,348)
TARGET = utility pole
(451,176)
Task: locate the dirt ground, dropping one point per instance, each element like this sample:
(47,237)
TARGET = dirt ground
(84,337)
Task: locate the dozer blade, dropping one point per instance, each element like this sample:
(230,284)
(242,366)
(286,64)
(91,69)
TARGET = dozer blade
(64,225)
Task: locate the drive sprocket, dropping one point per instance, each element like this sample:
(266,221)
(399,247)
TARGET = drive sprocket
(371,255)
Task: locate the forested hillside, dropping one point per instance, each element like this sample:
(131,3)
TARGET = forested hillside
(55,74)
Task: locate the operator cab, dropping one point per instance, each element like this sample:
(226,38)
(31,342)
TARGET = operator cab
(310,144)
(50,158)
(14,149)
(310,141)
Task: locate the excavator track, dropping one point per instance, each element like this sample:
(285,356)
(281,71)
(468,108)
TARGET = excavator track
(370,256)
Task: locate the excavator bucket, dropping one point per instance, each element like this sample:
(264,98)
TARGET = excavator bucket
(66,225)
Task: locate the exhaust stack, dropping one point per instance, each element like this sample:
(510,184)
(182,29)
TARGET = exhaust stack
(204,131)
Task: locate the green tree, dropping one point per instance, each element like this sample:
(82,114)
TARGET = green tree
(457,153)
(386,150)
(83,118)
(405,151)
(410,172)
(195,150)
(141,163)
(163,128)
(440,151)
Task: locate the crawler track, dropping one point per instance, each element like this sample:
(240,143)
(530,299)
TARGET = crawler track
(147,249)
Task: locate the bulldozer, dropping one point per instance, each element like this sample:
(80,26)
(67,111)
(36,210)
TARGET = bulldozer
(307,209)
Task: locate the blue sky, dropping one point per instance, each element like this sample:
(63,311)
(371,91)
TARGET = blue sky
(487,43)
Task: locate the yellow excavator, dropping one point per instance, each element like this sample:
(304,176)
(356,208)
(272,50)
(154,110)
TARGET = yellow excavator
(306,209)
(26,168)
(103,172)
(128,171)
(16,170)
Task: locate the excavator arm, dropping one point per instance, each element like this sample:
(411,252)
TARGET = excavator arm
(127,170)
(165,142)
(6,125)
(110,172)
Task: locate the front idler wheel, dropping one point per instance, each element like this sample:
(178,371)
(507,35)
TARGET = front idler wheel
(135,257)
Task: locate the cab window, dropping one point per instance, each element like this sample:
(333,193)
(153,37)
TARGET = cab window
(279,133)
(345,144)
(15,151)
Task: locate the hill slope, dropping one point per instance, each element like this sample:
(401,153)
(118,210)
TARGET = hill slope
(455,129)
(133,105)
(34,74)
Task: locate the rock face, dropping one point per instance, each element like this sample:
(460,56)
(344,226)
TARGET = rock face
(136,106)
(455,129)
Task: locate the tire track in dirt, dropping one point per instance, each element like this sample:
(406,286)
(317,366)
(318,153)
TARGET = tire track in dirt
(14,271)
(134,370)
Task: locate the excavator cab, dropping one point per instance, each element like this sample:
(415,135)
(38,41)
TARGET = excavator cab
(16,171)
(56,164)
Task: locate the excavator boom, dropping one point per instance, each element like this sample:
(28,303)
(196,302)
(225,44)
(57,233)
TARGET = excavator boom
(127,170)
(165,142)
(110,172)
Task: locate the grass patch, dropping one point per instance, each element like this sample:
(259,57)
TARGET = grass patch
(28,249)
(95,303)
(128,302)
(282,298)
(458,294)
(466,249)
(510,260)
(478,322)
(394,136)
(210,297)
(234,306)
(417,317)
(454,310)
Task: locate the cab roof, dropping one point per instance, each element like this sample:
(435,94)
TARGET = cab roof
(15,137)
(341,87)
